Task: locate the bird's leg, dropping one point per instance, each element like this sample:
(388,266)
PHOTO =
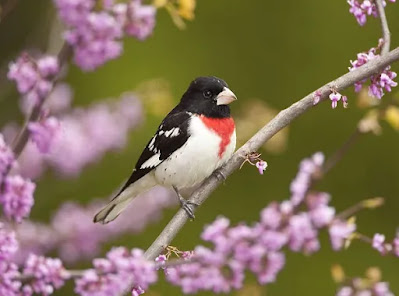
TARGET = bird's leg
(219,175)
(186,204)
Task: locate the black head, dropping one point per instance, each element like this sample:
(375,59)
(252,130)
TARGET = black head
(208,96)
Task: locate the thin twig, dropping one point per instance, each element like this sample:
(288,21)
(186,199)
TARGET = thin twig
(386,34)
(22,138)
(284,118)
(371,203)
(337,156)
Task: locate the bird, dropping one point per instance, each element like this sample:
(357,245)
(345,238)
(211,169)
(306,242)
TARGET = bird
(194,140)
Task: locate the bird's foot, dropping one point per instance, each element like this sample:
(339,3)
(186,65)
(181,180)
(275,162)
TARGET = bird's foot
(188,206)
(219,175)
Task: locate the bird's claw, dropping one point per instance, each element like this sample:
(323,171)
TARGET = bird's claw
(186,205)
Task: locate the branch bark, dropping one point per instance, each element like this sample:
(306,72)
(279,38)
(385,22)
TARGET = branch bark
(386,34)
(284,118)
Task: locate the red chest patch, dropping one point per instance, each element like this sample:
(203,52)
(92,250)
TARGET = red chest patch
(224,127)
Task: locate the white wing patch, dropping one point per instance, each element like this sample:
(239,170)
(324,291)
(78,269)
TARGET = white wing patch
(151,145)
(174,132)
(153,161)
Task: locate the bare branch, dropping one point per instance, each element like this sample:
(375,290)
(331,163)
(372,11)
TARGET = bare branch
(284,118)
(386,34)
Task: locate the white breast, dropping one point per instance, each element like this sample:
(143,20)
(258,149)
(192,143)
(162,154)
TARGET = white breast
(196,159)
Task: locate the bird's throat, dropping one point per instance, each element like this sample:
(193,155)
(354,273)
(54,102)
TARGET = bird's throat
(223,127)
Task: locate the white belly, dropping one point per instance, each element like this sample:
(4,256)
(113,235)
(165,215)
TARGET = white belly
(196,159)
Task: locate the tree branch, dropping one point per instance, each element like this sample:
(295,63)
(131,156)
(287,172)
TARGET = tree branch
(386,34)
(284,118)
(22,138)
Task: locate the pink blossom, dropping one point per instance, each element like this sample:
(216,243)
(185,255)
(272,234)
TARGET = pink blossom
(8,243)
(95,40)
(335,97)
(378,82)
(345,291)
(48,66)
(302,233)
(322,215)
(261,165)
(74,237)
(47,275)
(6,158)
(271,216)
(307,168)
(44,133)
(74,12)
(96,34)
(364,9)
(79,142)
(116,273)
(17,197)
(9,286)
(345,101)
(382,289)
(316,97)
(396,246)
(339,232)
(33,77)
(140,19)
(378,242)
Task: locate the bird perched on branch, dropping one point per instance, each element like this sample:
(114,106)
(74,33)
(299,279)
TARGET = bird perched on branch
(197,137)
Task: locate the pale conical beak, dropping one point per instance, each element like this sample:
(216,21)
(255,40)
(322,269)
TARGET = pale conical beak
(225,97)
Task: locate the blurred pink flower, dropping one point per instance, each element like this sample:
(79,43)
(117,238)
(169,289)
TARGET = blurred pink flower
(44,133)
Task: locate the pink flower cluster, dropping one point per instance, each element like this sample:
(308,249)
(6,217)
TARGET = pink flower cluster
(73,235)
(378,82)
(115,274)
(362,10)
(16,193)
(385,248)
(79,137)
(235,249)
(44,133)
(8,270)
(259,248)
(40,275)
(34,79)
(294,224)
(95,35)
(45,274)
(17,197)
(89,133)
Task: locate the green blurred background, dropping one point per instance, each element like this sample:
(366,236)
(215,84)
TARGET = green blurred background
(273,51)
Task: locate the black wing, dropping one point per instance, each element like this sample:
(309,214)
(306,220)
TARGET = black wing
(170,136)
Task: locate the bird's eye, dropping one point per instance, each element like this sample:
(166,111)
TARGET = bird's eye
(207,94)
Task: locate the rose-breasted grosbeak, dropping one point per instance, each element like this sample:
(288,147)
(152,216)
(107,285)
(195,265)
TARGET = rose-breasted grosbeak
(197,137)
